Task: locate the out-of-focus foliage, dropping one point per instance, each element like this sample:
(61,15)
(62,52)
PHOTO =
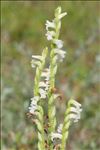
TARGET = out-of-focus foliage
(23,33)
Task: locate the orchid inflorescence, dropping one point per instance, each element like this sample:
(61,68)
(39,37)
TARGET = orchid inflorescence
(44,85)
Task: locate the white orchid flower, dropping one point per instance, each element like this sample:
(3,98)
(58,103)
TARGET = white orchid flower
(35,63)
(49,24)
(46,89)
(45,85)
(32,109)
(42,93)
(74,117)
(75,110)
(75,103)
(59,43)
(46,74)
(35,98)
(50,35)
(59,130)
(42,84)
(37,57)
(36,60)
(61,54)
(62,15)
(33,105)
(56,136)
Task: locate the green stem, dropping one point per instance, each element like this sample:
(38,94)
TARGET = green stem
(40,113)
(65,129)
(53,70)
(41,140)
(51,105)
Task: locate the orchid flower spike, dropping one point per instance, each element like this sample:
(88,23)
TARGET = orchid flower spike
(33,106)
(53,33)
(36,60)
(75,110)
(72,114)
(44,88)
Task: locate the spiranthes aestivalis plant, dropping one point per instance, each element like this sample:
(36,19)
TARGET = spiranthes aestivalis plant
(44,90)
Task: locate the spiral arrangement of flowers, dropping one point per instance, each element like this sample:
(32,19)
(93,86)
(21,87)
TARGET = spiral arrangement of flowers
(44,83)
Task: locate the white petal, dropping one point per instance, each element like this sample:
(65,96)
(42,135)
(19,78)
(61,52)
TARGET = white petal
(46,89)
(72,101)
(62,15)
(76,120)
(47,85)
(42,84)
(33,66)
(47,78)
(56,135)
(49,24)
(59,43)
(35,98)
(50,35)
(59,51)
(61,54)
(35,63)
(46,75)
(73,109)
(37,57)
(47,69)
(33,103)
(43,96)
(42,93)
(32,109)
(74,116)
(80,109)
(59,130)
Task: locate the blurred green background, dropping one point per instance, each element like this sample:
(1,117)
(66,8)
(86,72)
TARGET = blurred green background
(23,34)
